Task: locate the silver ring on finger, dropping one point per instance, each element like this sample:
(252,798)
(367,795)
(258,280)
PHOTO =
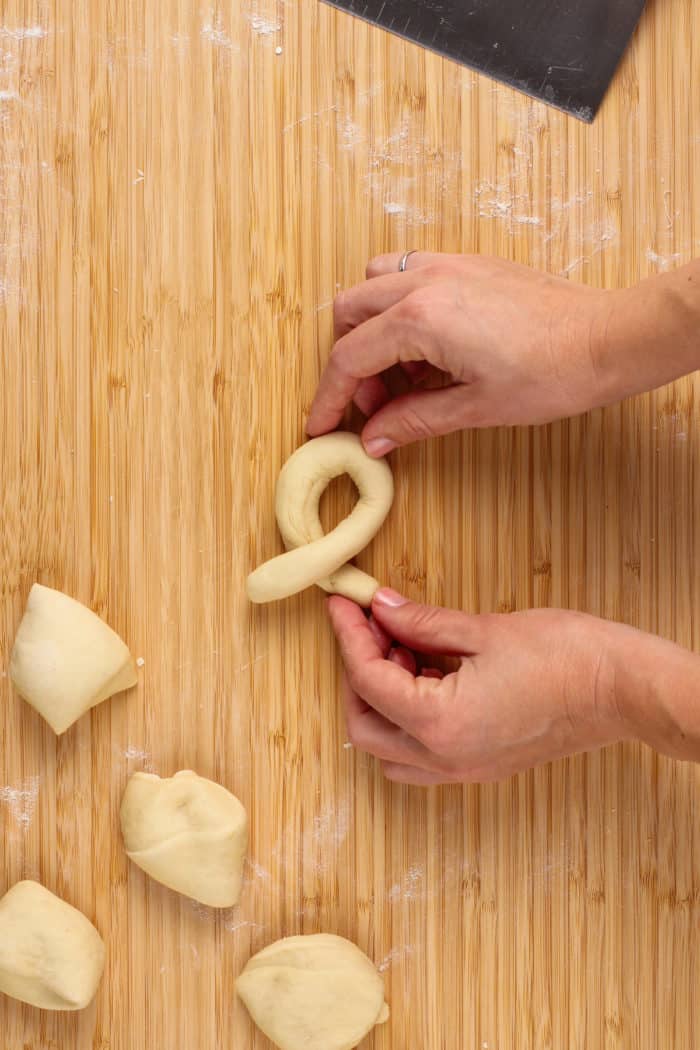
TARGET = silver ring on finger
(404,259)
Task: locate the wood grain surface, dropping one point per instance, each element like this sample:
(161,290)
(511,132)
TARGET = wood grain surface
(179,203)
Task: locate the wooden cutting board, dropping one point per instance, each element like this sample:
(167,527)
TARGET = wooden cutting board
(179,204)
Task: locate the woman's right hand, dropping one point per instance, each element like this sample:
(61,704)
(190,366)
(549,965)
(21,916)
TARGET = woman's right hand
(530,687)
(518,346)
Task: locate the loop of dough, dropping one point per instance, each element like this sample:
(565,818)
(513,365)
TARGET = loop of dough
(313,557)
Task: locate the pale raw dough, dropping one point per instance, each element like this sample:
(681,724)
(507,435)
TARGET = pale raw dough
(66,659)
(318,992)
(313,557)
(51,955)
(188,833)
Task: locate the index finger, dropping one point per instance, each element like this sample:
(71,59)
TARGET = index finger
(371,348)
(390,689)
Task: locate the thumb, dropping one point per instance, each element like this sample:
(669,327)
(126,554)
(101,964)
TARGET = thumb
(412,417)
(426,628)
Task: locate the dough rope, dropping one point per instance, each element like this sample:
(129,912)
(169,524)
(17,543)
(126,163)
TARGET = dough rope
(312,556)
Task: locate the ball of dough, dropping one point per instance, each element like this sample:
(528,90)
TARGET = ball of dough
(318,992)
(51,955)
(66,659)
(188,833)
(312,556)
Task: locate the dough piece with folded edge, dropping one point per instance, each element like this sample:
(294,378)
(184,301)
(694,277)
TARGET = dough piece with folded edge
(51,956)
(319,992)
(187,832)
(65,659)
(312,556)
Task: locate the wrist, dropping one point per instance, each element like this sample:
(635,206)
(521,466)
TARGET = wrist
(593,694)
(656,686)
(647,335)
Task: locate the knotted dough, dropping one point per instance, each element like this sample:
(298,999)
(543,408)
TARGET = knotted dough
(312,556)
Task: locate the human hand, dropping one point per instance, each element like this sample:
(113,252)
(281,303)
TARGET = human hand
(519,347)
(531,687)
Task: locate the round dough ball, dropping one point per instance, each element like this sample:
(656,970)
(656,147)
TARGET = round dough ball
(188,833)
(51,955)
(318,992)
(66,659)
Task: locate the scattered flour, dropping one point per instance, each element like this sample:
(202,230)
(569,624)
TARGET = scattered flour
(501,201)
(251,663)
(663,262)
(244,924)
(309,116)
(264,26)
(202,911)
(330,827)
(36,32)
(213,31)
(21,801)
(351,134)
(595,240)
(321,839)
(394,956)
(136,754)
(258,871)
(410,886)
(8,289)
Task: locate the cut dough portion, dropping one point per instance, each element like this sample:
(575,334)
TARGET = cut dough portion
(318,992)
(66,659)
(51,955)
(188,833)
(313,557)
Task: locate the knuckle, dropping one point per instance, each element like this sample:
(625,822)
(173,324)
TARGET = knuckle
(359,677)
(354,734)
(353,675)
(340,310)
(415,426)
(437,270)
(438,739)
(338,359)
(374,267)
(427,617)
(418,308)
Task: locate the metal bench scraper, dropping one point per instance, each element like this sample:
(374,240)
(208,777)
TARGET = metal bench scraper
(563,52)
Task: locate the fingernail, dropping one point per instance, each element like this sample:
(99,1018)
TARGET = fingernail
(385,596)
(379,446)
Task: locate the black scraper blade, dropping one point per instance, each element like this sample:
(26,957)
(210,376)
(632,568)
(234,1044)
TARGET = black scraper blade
(564,53)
